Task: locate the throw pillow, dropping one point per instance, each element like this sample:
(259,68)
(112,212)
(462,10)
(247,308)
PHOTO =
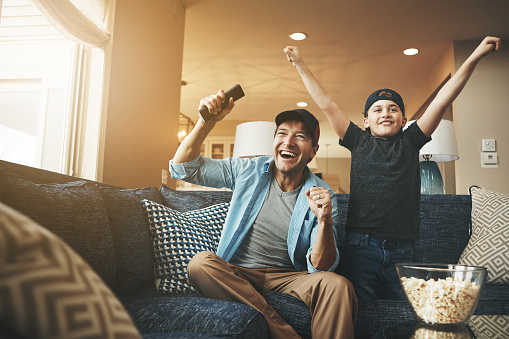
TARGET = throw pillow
(131,237)
(178,236)
(489,326)
(489,244)
(48,291)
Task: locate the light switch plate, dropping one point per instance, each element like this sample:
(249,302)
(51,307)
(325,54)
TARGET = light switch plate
(488,145)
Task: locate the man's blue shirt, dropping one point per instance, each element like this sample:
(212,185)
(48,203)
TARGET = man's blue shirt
(249,179)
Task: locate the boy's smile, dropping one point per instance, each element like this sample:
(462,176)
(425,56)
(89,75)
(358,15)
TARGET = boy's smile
(384,119)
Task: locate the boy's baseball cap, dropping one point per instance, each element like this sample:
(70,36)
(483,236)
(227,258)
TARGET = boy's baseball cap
(385,94)
(302,115)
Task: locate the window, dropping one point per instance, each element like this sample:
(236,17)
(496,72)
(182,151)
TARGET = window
(35,65)
(51,88)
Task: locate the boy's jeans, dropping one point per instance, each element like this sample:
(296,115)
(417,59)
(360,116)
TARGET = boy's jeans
(369,263)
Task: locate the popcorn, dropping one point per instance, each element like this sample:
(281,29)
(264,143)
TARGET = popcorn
(441,301)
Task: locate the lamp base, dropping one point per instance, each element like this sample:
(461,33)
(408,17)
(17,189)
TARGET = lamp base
(431,179)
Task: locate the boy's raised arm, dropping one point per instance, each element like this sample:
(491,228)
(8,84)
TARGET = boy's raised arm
(338,120)
(430,119)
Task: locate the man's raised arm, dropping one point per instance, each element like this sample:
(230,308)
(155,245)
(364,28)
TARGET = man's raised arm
(190,147)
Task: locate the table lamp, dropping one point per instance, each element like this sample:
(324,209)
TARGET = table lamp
(441,148)
(253,139)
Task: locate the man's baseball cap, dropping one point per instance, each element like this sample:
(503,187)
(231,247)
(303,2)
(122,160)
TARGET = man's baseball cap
(302,115)
(385,94)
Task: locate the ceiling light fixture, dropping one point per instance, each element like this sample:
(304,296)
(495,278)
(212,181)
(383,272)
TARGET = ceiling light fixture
(411,51)
(302,104)
(298,36)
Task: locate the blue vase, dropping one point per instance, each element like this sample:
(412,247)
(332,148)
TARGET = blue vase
(431,179)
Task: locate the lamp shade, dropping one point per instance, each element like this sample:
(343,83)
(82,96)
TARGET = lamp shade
(443,146)
(254,138)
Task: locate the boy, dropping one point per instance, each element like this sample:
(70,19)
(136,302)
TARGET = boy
(384,206)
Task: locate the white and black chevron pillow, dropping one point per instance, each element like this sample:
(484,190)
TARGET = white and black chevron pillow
(489,244)
(48,291)
(178,236)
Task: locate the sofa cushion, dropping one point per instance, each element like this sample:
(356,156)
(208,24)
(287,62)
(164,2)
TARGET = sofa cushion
(48,291)
(445,223)
(183,201)
(221,318)
(489,243)
(293,311)
(178,236)
(131,237)
(74,211)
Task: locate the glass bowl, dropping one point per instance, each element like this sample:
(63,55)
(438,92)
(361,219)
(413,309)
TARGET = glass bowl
(442,293)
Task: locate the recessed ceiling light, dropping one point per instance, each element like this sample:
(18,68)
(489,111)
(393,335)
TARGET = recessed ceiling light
(411,51)
(302,104)
(298,36)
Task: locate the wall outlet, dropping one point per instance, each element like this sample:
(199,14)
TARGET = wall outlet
(489,160)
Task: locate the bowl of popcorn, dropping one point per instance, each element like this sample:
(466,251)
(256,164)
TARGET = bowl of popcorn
(441,293)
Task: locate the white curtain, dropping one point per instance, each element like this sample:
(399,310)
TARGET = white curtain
(82,21)
(88,23)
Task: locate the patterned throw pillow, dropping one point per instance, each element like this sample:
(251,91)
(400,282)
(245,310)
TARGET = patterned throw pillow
(48,291)
(178,236)
(490,326)
(489,244)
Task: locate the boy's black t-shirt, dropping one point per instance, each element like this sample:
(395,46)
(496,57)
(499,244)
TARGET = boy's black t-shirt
(385,183)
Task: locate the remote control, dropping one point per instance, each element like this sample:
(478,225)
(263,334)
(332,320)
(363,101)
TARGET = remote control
(235,92)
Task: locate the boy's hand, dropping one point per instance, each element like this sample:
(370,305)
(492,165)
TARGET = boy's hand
(488,45)
(293,54)
(319,201)
(213,103)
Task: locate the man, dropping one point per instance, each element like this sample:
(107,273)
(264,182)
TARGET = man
(279,233)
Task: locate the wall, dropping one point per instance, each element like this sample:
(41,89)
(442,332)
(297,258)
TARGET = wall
(481,112)
(226,128)
(336,166)
(144,91)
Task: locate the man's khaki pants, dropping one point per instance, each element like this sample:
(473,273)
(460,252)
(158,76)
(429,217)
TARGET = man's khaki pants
(329,296)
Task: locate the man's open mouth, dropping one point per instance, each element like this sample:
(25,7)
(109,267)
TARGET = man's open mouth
(287,154)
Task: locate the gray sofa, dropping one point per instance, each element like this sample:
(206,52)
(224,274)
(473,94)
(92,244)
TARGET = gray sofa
(107,226)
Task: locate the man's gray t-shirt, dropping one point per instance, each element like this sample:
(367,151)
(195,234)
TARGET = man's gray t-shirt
(265,245)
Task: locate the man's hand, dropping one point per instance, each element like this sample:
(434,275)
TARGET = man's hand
(319,201)
(323,253)
(213,103)
(293,54)
(190,147)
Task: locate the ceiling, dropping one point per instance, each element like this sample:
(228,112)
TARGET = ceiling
(354,47)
